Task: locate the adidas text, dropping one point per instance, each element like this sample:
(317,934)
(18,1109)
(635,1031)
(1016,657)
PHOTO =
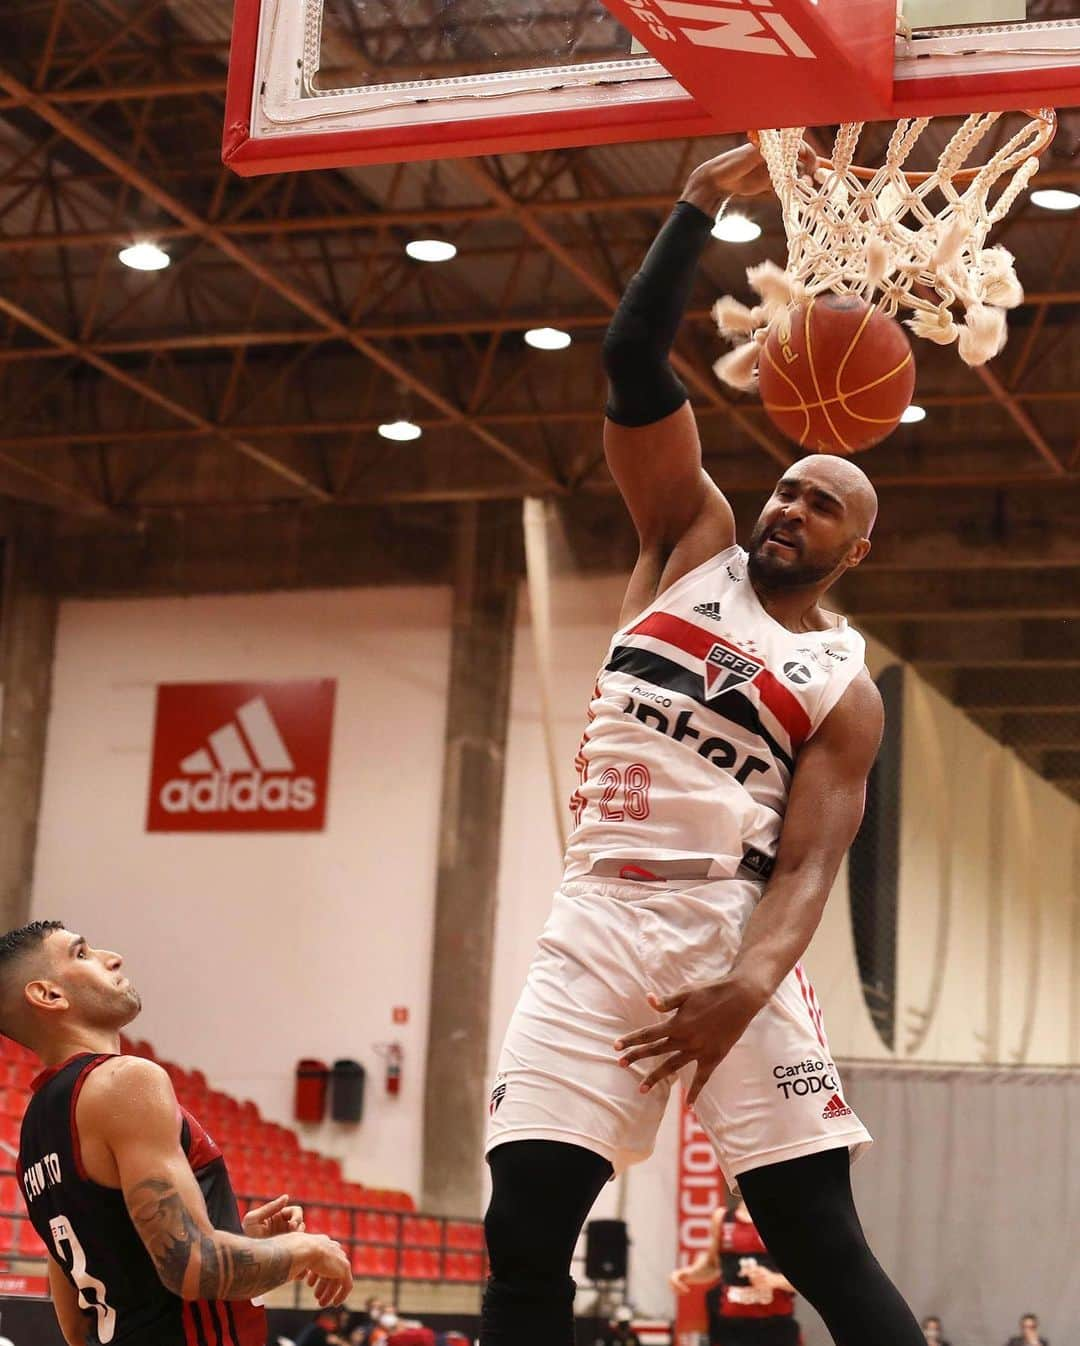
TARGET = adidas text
(242,794)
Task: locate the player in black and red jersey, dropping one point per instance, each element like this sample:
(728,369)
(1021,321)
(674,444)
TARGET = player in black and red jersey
(129,1194)
(754,1302)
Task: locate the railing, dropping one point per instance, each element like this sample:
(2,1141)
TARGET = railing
(400,1248)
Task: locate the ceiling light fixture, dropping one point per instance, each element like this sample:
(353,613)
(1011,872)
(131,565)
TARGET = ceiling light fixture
(430,250)
(144,257)
(736,228)
(1052,198)
(400,430)
(547,338)
(913,415)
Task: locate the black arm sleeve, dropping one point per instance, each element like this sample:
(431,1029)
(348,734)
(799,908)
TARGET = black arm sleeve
(642,385)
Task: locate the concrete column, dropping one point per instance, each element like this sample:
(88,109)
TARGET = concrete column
(455,1099)
(27,633)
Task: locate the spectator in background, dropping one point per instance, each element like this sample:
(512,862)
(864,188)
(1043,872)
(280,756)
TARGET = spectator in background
(1029,1333)
(620,1330)
(363,1324)
(328,1329)
(932,1331)
(754,1301)
(381,1333)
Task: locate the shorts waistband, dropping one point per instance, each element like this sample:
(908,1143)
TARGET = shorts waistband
(755,864)
(656,871)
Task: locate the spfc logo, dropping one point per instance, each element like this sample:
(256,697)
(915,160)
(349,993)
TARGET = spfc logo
(727,667)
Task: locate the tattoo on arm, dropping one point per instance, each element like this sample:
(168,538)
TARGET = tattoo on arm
(173,1239)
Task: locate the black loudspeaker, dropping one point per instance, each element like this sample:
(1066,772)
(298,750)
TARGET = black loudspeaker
(606,1245)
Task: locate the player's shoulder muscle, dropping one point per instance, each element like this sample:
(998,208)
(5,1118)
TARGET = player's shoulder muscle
(127,1094)
(854,725)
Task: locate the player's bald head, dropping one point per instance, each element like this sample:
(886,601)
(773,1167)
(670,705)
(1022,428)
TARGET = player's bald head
(841,477)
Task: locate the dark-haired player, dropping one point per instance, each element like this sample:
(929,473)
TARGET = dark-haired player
(129,1194)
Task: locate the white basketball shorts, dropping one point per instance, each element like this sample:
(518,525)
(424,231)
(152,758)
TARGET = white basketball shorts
(777,1094)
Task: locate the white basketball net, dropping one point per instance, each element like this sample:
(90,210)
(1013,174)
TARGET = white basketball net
(903,240)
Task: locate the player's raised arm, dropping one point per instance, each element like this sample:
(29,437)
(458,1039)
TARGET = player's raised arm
(128,1106)
(650,435)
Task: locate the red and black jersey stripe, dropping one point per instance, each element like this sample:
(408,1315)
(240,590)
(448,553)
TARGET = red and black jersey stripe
(732,705)
(696,641)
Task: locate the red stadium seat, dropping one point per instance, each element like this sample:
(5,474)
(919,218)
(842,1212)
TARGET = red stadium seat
(472,1267)
(418,1265)
(8,1235)
(30,1245)
(265,1158)
(363,1260)
(11,1202)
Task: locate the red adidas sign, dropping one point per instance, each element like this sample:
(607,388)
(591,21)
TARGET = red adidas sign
(241,756)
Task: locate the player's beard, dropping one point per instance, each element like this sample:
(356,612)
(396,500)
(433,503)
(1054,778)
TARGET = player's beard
(776,573)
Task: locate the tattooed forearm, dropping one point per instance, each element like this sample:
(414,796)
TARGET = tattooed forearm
(253,1273)
(166,1229)
(228,1267)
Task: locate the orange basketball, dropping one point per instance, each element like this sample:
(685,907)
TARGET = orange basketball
(840,380)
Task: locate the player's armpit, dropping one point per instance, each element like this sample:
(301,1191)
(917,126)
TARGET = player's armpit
(74,1324)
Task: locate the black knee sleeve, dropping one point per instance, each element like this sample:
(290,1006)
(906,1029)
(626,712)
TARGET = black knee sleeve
(541,1193)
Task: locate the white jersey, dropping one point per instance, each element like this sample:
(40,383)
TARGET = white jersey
(698,716)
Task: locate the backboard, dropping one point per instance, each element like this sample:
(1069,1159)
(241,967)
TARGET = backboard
(324,83)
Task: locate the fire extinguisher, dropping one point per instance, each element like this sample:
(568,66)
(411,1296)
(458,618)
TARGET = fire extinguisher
(394,1056)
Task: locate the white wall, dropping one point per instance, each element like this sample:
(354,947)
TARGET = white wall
(255,950)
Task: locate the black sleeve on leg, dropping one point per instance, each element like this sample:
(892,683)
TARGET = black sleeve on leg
(643,386)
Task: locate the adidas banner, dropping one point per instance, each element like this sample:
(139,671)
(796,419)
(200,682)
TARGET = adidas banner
(241,756)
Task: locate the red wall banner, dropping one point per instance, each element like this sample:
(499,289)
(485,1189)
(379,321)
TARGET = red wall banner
(241,756)
(701,1188)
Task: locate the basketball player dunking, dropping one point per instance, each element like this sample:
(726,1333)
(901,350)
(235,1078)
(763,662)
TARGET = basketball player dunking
(723,775)
(129,1194)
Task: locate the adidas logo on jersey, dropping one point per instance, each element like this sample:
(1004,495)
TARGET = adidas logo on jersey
(713,611)
(836,1107)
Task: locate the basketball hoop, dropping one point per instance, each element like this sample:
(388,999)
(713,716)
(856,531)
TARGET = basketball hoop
(878,233)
